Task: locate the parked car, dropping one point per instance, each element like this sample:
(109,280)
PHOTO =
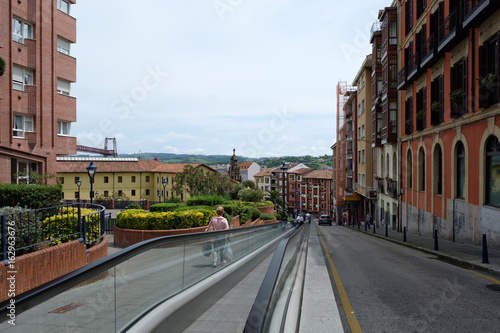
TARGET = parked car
(325,219)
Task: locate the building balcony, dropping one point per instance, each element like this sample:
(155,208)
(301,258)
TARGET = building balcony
(428,50)
(447,31)
(402,78)
(475,11)
(376,26)
(392,188)
(413,66)
(380,186)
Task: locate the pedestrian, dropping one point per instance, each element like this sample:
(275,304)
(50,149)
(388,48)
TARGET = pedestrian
(368,219)
(218,223)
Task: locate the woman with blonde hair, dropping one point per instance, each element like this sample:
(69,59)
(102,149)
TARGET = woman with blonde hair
(218,223)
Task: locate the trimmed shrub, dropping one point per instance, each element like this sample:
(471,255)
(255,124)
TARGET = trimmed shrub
(32,196)
(252,212)
(206,200)
(134,206)
(266,217)
(184,208)
(57,227)
(165,207)
(251,195)
(140,220)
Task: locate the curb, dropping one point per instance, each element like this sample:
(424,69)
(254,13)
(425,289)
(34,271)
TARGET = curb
(441,256)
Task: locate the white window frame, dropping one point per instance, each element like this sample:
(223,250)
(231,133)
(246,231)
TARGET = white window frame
(63,128)
(64,6)
(26,30)
(23,124)
(62,89)
(21,77)
(63,46)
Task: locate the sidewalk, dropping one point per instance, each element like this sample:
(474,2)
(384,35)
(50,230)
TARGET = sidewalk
(463,255)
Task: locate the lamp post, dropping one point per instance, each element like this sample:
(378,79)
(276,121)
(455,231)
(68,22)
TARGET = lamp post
(79,183)
(283,169)
(158,193)
(91,171)
(164,182)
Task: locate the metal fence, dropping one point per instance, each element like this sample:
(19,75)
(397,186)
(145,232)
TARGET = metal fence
(28,231)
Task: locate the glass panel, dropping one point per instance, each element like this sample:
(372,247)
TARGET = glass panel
(28,124)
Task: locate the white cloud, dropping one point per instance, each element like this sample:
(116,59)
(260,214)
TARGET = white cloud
(226,78)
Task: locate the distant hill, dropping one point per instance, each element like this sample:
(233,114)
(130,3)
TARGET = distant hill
(320,162)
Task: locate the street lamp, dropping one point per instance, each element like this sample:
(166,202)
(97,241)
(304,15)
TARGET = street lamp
(283,169)
(159,195)
(91,171)
(78,183)
(164,182)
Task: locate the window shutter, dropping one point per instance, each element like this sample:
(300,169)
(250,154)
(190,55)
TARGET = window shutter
(441,98)
(464,77)
(497,61)
(483,68)
(17,74)
(424,98)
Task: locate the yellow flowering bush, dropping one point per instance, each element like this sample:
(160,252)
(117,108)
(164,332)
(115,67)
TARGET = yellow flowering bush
(58,226)
(138,219)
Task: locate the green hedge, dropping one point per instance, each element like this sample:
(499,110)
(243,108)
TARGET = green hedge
(266,217)
(140,220)
(31,196)
(206,200)
(165,207)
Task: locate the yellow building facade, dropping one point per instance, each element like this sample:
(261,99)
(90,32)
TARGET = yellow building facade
(129,177)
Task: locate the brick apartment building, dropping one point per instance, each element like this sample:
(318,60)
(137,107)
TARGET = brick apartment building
(36,106)
(449,81)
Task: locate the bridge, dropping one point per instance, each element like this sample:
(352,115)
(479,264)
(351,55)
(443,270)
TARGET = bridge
(106,152)
(276,282)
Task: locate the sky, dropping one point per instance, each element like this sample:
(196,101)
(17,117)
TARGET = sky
(209,76)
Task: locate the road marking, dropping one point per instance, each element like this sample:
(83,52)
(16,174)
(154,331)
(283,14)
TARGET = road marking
(484,276)
(346,304)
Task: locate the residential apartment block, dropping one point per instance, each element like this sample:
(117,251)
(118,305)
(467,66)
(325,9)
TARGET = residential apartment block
(435,121)
(248,170)
(449,80)
(36,104)
(384,115)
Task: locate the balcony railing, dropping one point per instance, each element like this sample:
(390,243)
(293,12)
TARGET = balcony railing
(447,29)
(375,27)
(412,65)
(392,188)
(401,77)
(472,8)
(428,50)
(380,186)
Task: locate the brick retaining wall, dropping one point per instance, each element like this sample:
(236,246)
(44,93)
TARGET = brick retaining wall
(36,268)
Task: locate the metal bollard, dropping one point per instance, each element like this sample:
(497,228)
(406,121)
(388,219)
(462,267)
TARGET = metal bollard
(404,234)
(436,246)
(366,225)
(485,251)
(374,228)
(386,230)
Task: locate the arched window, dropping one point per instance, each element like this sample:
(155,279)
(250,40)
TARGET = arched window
(460,173)
(438,170)
(421,169)
(493,171)
(409,170)
(387,165)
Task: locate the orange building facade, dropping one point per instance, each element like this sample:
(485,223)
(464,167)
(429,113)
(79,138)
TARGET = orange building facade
(36,106)
(449,83)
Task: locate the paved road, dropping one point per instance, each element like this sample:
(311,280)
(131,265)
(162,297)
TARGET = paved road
(392,288)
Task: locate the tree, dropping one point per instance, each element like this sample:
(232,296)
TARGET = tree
(197,182)
(276,199)
(248,184)
(250,195)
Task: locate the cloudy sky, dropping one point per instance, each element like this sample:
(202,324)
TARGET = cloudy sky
(207,76)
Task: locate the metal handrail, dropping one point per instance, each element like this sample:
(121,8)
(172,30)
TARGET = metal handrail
(270,291)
